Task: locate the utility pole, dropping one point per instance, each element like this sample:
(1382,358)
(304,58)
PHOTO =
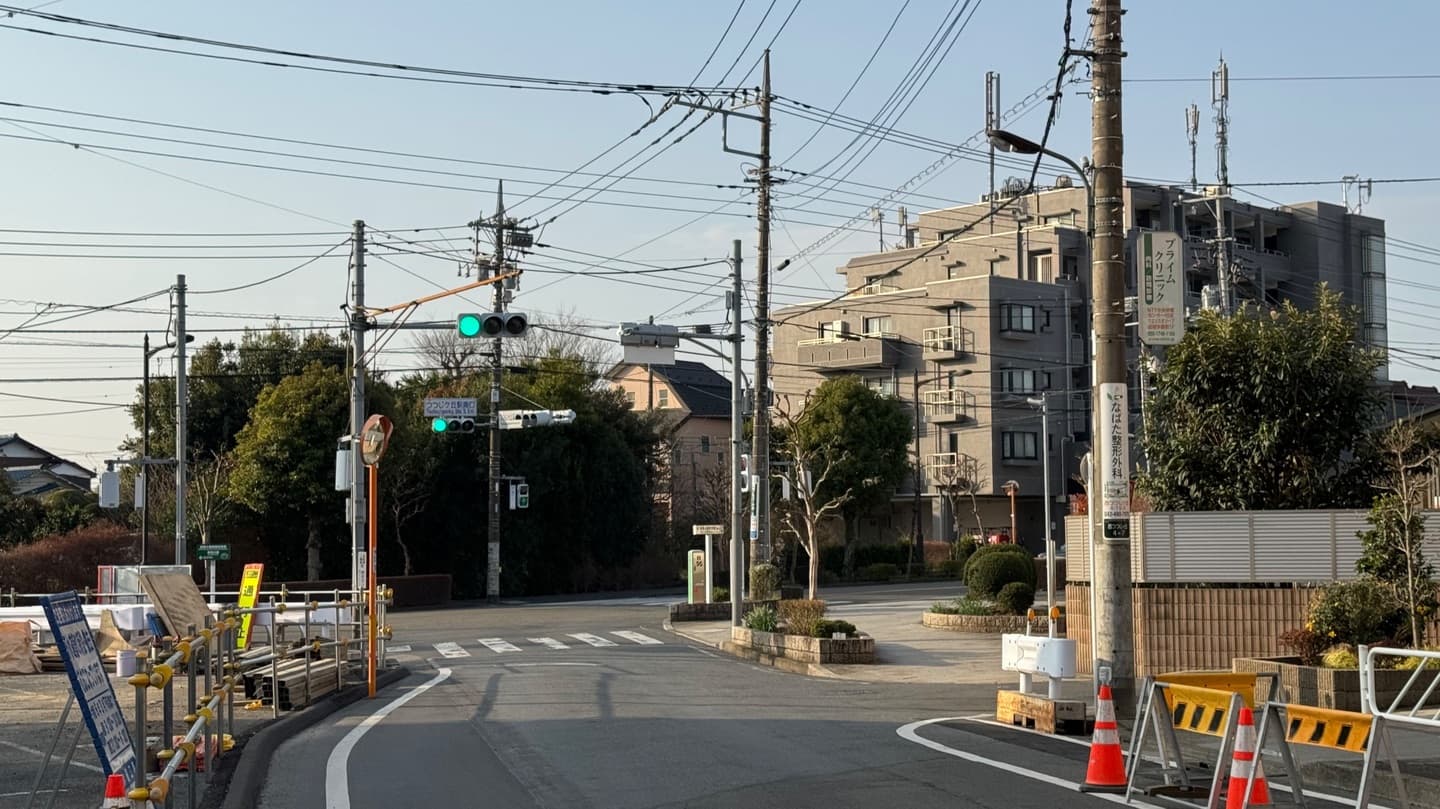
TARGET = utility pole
(182,412)
(1112,624)
(497,266)
(144,481)
(737,437)
(992,123)
(359,512)
(1192,132)
(915,535)
(760,530)
(1220,99)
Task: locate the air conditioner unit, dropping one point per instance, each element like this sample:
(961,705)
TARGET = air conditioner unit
(839,327)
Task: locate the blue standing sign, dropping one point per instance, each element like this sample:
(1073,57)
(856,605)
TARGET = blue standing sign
(91,685)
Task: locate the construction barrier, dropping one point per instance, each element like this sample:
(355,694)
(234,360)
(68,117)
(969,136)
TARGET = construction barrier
(1207,703)
(1285,725)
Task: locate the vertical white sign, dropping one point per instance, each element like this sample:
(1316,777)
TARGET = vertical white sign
(1115,460)
(1162,289)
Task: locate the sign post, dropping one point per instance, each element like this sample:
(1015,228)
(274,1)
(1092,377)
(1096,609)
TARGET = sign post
(211,554)
(1115,461)
(91,686)
(373,441)
(709,532)
(249,593)
(1162,293)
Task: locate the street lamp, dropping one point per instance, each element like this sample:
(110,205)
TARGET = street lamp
(1043,402)
(1010,142)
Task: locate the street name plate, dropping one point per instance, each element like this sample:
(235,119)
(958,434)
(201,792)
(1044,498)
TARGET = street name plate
(451,408)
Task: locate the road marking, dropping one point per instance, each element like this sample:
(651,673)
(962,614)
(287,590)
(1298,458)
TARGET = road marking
(516,665)
(41,753)
(593,640)
(643,640)
(499,645)
(549,643)
(449,649)
(337,767)
(398,649)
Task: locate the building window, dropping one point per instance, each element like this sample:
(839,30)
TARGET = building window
(662,398)
(879,325)
(883,385)
(705,444)
(1023,380)
(1018,446)
(1040,267)
(1017,317)
(1069,265)
(630,398)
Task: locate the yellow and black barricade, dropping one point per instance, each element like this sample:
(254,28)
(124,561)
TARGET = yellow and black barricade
(1285,725)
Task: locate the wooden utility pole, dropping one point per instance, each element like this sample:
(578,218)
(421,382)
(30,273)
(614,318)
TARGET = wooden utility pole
(1112,625)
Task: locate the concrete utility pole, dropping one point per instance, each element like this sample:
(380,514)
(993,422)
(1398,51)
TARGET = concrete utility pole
(497,266)
(760,530)
(1112,625)
(737,438)
(1220,99)
(182,414)
(144,480)
(358,324)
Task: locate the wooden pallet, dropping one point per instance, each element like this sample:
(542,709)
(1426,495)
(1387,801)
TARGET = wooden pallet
(1066,717)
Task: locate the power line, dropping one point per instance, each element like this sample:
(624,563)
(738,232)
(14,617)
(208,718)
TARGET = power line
(1356,77)
(274,277)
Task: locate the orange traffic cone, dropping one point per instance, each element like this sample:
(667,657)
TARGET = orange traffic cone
(115,797)
(1106,771)
(1245,752)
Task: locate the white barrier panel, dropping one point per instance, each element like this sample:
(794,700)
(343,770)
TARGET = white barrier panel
(1037,654)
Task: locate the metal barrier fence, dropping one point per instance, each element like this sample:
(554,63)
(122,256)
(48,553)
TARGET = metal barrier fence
(89,595)
(215,669)
(1385,659)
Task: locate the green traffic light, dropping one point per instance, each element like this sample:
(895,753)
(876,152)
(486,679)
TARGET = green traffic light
(469,325)
(438,425)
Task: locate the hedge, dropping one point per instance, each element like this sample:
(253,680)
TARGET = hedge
(986,575)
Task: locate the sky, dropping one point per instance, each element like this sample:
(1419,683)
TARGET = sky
(1296,114)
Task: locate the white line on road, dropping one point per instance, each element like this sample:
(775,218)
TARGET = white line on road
(41,753)
(337,767)
(550,643)
(643,640)
(499,645)
(449,649)
(516,665)
(593,640)
(395,650)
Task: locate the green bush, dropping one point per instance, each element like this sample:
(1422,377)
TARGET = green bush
(765,582)
(762,619)
(880,571)
(986,575)
(1356,613)
(1340,657)
(720,594)
(948,569)
(963,606)
(801,615)
(1015,598)
(868,555)
(826,627)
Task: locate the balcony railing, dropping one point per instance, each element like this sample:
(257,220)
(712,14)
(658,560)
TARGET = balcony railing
(850,351)
(949,404)
(947,342)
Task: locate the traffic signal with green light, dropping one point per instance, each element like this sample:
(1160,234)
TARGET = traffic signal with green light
(444,426)
(492,324)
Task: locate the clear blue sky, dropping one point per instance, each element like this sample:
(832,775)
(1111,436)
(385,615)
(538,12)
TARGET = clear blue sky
(1280,131)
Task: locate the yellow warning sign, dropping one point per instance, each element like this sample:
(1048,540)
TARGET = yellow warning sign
(249,592)
(1238,682)
(1199,710)
(1326,727)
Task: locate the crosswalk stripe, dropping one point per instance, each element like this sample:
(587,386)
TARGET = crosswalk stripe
(593,640)
(449,649)
(395,650)
(643,640)
(550,643)
(498,645)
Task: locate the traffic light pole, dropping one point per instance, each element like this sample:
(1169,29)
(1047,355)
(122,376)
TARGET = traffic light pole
(492,572)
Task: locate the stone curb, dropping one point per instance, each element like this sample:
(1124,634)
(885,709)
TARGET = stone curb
(241,789)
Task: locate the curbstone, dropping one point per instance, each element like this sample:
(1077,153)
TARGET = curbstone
(240,786)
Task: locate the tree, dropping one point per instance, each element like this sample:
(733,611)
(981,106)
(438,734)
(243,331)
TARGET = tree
(813,458)
(284,456)
(868,435)
(452,354)
(960,483)
(1264,410)
(408,471)
(1394,552)
(208,493)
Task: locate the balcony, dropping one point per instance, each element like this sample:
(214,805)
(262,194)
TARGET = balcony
(846,352)
(949,405)
(944,469)
(947,343)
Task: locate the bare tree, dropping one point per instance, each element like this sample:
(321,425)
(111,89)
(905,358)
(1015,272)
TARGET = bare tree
(810,466)
(958,483)
(1394,552)
(566,334)
(208,498)
(408,496)
(452,354)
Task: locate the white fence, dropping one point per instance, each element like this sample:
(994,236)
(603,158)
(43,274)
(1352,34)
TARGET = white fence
(1238,546)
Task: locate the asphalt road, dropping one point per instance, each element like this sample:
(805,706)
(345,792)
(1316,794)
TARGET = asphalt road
(513,720)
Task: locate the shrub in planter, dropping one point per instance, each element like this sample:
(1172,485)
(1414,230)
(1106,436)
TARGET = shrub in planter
(880,571)
(962,606)
(986,551)
(1015,598)
(1307,644)
(827,627)
(761,619)
(765,582)
(1356,613)
(801,615)
(1341,657)
(720,594)
(986,575)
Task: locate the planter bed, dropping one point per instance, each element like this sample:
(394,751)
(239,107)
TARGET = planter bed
(992,624)
(718,611)
(1331,688)
(805,649)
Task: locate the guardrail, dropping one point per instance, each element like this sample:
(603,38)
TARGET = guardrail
(89,595)
(1424,662)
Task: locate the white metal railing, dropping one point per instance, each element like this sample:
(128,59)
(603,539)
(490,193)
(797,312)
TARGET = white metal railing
(847,337)
(1410,705)
(947,338)
(949,402)
(876,288)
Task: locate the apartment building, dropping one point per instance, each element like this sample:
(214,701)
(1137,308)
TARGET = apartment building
(973,321)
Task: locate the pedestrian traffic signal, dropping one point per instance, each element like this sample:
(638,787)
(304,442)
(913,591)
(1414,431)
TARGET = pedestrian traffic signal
(492,324)
(444,426)
(522,495)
